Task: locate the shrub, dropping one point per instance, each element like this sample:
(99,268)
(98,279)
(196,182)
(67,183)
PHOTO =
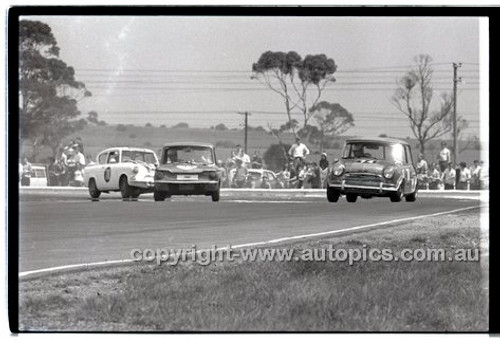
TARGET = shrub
(132,135)
(121,127)
(275,156)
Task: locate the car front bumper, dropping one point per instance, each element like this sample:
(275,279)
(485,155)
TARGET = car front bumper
(373,188)
(186,187)
(147,183)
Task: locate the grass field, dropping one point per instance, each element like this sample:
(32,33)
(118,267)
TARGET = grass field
(274,296)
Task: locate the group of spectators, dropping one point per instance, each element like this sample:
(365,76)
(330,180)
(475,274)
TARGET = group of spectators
(443,174)
(65,169)
(297,173)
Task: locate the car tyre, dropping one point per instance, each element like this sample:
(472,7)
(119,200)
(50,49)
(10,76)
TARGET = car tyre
(159,196)
(216,195)
(126,190)
(412,196)
(93,191)
(398,195)
(332,194)
(351,197)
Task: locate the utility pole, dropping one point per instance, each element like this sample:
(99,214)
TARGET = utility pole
(246,113)
(455,81)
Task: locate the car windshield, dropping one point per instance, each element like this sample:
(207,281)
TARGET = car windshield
(136,155)
(188,154)
(374,150)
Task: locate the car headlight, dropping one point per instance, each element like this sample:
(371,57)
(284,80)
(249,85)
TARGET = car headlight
(338,170)
(388,172)
(212,175)
(135,169)
(159,175)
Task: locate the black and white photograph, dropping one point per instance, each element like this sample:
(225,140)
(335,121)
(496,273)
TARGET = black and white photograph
(250,171)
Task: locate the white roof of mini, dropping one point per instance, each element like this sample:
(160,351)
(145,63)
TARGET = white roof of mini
(135,149)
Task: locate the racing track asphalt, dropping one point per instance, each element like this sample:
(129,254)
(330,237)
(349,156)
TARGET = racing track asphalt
(64,232)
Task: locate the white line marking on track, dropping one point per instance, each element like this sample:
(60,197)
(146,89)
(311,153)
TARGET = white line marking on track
(278,240)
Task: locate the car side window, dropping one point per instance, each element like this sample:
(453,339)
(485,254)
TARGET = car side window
(102,158)
(113,157)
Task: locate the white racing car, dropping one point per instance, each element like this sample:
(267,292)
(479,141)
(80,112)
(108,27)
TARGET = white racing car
(128,170)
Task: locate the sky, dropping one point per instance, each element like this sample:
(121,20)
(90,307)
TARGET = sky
(167,69)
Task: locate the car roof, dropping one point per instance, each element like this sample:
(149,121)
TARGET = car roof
(188,144)
(137,149)
(376,140)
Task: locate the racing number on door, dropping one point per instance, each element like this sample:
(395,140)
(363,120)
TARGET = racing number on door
(107,174)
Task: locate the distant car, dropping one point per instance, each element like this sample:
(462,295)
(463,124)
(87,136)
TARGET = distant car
(38,176)
(255,177)
(124,169)
(380,167)
(187,169)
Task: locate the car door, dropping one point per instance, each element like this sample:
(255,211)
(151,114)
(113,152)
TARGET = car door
(98,170)
(410,173)
(109,172)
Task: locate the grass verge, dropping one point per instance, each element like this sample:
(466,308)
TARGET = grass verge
(278,296)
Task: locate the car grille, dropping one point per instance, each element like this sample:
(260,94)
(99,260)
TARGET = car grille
(363,180)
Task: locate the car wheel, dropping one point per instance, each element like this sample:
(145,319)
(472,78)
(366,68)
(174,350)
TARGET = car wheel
(398,195)
(126,190)
(412,196)
(159,196)
(93,191)
(332,194)
(216,195)
(351,197)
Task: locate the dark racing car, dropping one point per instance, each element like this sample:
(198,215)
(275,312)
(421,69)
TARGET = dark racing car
(187,169)
(380,167)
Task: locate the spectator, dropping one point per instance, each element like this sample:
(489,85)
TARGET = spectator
(79,159)
(284,177)
(241,155)
(464,177)
(484,177)
(240,175)
(55,171)
(256,160)
(27,172)
(323,165)
(315,178)
(231,170)
(224,180)
(434,178)
(79,144)
(444,157)
(298,152)
(422,171)
(265,183)
(78,178)
(476,174)
(448,177)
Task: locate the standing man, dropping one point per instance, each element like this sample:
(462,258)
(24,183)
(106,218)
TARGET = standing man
(448,177)
(464,178)
(444,157)
(27,172)
(298,152)
(422,171)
